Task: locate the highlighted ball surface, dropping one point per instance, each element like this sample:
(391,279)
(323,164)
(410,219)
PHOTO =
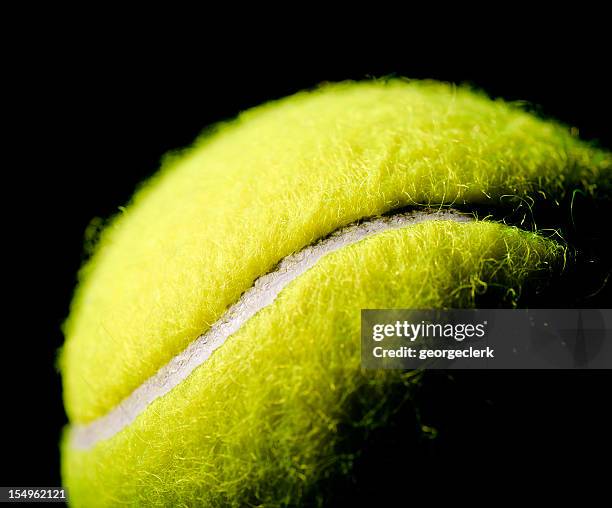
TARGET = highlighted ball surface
(212,349)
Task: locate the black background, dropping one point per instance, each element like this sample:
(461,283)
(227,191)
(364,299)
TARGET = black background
(99,116)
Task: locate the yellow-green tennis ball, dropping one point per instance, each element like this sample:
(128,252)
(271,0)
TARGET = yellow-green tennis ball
(190,376)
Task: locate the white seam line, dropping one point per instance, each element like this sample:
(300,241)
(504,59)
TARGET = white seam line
(263,292)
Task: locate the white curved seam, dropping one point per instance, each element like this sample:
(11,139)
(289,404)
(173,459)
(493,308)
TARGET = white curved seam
(263,292)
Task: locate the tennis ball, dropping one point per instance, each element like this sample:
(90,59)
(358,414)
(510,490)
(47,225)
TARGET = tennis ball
(212,348)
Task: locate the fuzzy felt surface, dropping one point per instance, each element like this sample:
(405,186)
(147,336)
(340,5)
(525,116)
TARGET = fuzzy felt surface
(284,404)
(281,176)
